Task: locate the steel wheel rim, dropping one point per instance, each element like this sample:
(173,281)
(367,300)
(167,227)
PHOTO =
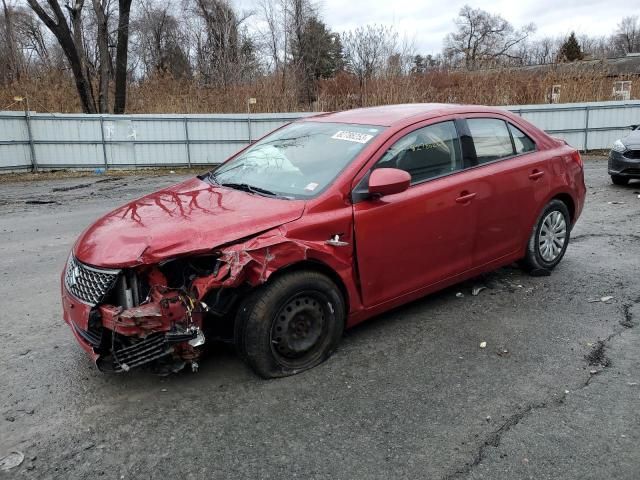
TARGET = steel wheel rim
(553,236)
(300,327)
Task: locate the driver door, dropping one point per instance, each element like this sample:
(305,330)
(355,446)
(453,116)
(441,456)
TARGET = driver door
(409,241)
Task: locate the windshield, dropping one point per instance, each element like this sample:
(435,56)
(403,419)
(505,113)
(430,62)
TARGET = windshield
(297,161)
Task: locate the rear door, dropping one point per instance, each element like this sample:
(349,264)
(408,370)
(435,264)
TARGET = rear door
(513,182)
(410,240)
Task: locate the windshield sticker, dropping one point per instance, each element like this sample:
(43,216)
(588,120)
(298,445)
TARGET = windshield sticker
(311,187)
(352,136)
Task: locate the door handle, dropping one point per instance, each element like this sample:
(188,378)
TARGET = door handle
(465,197)
(536,174)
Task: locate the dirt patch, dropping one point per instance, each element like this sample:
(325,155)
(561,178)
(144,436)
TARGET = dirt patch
(72,187)
(597,356)
(40,202)
(108,179)
(627,322)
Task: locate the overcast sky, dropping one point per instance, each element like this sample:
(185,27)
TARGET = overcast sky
(427,22)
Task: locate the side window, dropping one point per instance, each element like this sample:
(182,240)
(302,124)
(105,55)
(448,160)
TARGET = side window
(521,140)
(491,139)
(426,153)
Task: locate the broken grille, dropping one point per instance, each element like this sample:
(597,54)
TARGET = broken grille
(88,284)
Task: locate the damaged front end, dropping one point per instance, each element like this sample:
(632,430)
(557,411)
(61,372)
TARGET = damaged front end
(160,313)
(128,318)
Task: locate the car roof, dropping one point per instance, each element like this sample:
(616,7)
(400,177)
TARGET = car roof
(397,115)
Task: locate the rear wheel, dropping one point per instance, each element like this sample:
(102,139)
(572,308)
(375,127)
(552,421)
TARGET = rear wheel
(618,180)
(549,238)
(290,324)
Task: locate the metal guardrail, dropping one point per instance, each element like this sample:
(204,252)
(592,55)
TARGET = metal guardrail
(35,141)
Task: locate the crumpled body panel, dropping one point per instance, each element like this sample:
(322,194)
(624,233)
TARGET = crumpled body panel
(169,314)
(188,218)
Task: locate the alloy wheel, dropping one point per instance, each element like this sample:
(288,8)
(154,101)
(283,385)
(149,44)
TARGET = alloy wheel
(553,236)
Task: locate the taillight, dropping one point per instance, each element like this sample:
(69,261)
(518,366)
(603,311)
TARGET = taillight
(575,156)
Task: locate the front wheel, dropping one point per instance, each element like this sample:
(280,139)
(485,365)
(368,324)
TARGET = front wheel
(549,238)
(618,180)
(290,324)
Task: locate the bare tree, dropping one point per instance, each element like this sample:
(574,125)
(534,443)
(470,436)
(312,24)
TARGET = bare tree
(544,51)
(482,39)
(599,47)
(70,36)
(283,35)
(12,47)
(401,60)
(367,51)
(219,42)
(101,11)
(32,40)
(272,34)
(160,41)
(368,48)
(70,39)
(627,36)
(122,52)
(299,12)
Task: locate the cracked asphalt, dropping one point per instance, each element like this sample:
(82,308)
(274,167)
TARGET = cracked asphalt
(410,394)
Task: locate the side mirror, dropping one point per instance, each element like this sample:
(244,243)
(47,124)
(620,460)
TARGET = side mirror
(387,181)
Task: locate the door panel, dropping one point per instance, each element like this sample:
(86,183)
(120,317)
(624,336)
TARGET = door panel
(506,199)
(416,238)
(509,190)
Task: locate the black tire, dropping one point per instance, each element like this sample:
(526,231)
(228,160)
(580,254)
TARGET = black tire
(290,324)
(618,180)
(534,260)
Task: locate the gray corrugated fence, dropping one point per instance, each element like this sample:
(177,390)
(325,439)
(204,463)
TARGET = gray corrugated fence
(51,141)
(586,126)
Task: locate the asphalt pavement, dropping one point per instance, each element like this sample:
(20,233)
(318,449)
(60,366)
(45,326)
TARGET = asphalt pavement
(410,394)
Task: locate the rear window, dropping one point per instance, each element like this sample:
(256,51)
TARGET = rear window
(521,140)
(491,139)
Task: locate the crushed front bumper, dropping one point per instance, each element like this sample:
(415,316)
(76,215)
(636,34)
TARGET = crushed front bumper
(118,340)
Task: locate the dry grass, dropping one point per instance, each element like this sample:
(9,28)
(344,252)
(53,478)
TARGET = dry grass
(500,87)
(56,93)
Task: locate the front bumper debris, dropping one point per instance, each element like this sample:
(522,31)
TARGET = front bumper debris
(156,346)
(165,330)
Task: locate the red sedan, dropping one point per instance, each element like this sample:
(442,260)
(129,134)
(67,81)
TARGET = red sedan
(318,226)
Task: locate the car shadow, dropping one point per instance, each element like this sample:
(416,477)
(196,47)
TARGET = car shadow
(221,365)
(505,279)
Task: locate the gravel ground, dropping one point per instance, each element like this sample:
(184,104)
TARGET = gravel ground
(555,393)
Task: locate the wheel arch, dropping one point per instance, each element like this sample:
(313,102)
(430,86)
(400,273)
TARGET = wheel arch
(567,199)
(320,267)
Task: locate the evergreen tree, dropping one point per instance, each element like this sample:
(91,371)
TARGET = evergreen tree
(418,65)
(316,53)
(318,50)
(570,50)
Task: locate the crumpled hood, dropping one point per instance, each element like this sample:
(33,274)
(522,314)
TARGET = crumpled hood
(191,217)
